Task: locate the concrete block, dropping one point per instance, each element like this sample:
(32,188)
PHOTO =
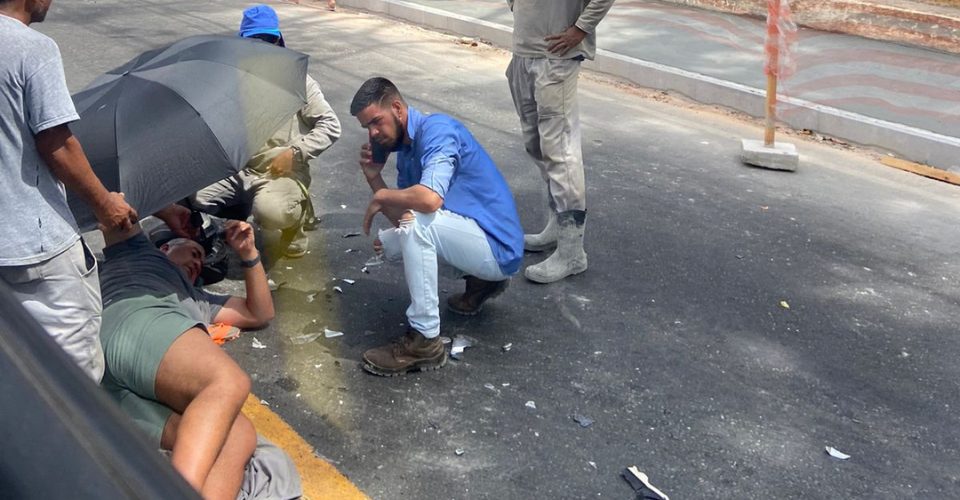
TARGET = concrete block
(779,156)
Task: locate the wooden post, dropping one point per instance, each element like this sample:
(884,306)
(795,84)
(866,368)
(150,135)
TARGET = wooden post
(773,67)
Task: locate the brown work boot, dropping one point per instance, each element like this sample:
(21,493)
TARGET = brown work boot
(478,291)
(410,352)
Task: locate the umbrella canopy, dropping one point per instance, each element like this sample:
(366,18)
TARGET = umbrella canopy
(176,119)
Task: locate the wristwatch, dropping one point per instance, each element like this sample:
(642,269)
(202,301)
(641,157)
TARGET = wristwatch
(298,154)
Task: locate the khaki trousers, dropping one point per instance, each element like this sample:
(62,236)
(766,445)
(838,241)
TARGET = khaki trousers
(545,94)
(63,294)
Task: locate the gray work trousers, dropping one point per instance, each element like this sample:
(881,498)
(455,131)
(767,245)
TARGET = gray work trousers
(277,204)
(63,294)
(545,95)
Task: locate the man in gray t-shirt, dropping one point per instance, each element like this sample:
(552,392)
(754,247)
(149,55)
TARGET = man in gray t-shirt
(41,255)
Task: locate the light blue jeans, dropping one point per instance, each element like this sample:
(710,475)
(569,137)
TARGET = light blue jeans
(425,242)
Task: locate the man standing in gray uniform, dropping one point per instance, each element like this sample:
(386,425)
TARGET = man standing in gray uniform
(550,39)
(42,258)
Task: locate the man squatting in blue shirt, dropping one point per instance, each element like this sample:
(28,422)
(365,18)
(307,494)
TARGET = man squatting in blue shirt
(451,205)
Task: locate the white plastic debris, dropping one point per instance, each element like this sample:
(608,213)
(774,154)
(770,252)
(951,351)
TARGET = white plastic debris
(256,344)
(459,451)
(374,261)
(592,464)
(311,297)
(506,347)
(365,270)
(328,333)
(350,235)
(531,405)
(264,402)
(272,285)
(305,338)
(460,342)
(490,386)
(343,207)
(348,281)
(338,289)
(582,420)
(835,453)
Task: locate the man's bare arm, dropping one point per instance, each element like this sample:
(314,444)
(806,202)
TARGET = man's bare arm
(64,156)
(256,309)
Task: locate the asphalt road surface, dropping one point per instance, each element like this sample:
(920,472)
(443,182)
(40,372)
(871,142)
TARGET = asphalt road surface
(733,323)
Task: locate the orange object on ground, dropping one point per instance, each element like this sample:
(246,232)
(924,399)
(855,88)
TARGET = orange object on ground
(221,333)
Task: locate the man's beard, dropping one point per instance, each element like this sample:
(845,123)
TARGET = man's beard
(401,135)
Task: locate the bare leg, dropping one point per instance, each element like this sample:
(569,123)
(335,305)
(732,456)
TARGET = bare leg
(207,388)
(226,476)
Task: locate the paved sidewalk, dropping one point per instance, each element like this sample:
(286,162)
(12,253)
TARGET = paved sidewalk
(900,98)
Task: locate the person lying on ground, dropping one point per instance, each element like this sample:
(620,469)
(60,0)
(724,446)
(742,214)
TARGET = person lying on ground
(451,206)
(162,368)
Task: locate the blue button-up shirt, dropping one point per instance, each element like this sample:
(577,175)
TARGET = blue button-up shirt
(445,157)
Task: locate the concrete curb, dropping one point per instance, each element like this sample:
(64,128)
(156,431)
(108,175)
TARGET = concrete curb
(900,21)
(915,144)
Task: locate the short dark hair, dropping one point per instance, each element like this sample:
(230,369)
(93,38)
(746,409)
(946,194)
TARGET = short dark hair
(373,91)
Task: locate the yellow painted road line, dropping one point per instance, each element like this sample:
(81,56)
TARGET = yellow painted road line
(319,478)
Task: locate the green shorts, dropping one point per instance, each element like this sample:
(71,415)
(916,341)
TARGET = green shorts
(136,333)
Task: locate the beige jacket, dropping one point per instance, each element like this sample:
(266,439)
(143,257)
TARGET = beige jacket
(535,19)
(313,129)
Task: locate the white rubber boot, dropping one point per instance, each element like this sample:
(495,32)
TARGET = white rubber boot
(546,239)
(569,258)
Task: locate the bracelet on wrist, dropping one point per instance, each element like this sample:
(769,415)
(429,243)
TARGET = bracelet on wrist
(247,264)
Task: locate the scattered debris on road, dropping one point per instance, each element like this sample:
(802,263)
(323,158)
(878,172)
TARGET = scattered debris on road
(835,453)
(328,333)
(305,338)
(582,420)
(256,344)
(641,485)
(350,235)
(506,347)
(459,451)
(460,342)
(348,281)
(531,405)
(784,304)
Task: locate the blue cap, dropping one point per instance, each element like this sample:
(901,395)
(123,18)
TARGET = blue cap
(260,19)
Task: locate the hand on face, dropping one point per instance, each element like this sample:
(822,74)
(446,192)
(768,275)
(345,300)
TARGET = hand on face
(370,169)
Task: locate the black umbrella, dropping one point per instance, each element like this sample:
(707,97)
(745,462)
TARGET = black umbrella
(174,120)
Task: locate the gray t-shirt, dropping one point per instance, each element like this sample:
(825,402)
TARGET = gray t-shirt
(37,223)
(135,268)
(535,19)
